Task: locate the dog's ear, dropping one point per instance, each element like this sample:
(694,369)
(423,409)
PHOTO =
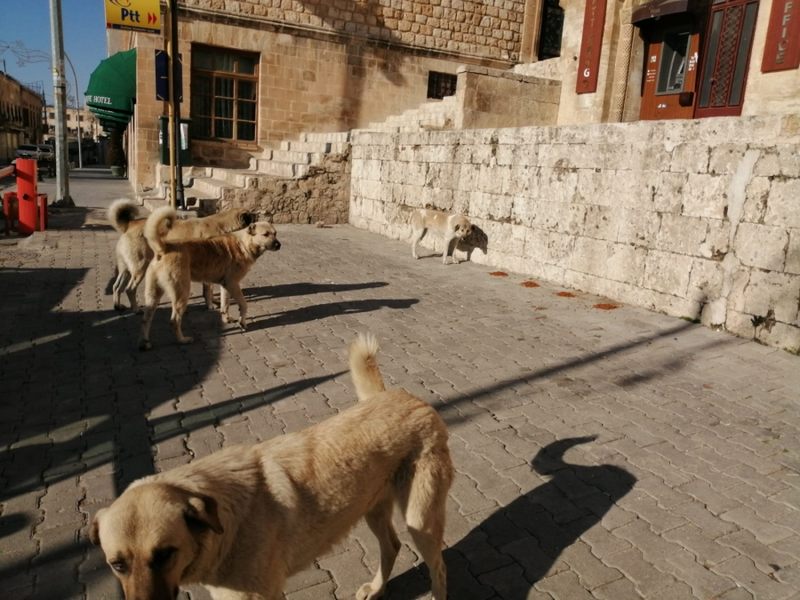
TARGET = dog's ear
(201,511)
(94,528)
(248,218)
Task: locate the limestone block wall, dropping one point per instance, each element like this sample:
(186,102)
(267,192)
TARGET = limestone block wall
(478,28)
(697,219)
(493,98)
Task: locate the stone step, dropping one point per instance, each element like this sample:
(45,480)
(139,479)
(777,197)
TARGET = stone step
(232,177)
(294,156)
(207,187)
(314,147)
(281,169)
(336,136)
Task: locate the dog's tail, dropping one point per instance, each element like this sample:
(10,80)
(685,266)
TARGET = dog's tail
(364,367)
(121,213)
(157,226)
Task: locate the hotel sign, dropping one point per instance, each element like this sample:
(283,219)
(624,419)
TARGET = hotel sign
(594,20)
(782,48)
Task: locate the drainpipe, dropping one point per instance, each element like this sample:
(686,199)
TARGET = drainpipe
(622,64)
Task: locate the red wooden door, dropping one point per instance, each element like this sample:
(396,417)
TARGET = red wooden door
(726,57)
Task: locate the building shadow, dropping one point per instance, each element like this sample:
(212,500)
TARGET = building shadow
(528,535)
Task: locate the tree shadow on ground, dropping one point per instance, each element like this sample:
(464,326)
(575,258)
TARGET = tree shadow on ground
(524,539)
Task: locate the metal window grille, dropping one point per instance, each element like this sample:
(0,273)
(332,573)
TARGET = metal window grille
(441,84)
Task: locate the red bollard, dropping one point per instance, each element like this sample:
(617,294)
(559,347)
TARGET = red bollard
(26,195)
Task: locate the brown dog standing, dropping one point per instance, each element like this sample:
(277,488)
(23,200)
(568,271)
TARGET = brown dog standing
(224,259)
(133,253)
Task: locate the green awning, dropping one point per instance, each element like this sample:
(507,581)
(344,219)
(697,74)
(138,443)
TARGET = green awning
(112,85)
(111,115)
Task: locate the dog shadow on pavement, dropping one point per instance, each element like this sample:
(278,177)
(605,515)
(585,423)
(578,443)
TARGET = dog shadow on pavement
(306,289)
(321,311)
(518,544)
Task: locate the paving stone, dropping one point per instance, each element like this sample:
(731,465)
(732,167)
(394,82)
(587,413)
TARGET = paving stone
(689,485)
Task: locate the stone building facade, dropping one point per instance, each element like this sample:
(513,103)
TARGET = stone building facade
(750,46)
(258,72)
(20,117)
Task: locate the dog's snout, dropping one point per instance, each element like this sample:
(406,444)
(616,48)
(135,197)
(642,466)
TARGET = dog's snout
(276,245)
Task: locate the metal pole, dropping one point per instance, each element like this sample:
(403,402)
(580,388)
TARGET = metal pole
(79,106)
(59,93)
(174,98)
(170,141)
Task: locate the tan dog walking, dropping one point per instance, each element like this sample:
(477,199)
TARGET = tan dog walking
(451,227)
(243,520)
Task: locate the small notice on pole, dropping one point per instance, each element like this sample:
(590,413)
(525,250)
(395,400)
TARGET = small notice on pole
(135,15)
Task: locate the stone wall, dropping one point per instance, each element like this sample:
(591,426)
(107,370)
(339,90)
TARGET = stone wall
(487,28)
(698,219)
(493,98)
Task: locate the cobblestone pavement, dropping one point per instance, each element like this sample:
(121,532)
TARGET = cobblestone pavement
(602,452)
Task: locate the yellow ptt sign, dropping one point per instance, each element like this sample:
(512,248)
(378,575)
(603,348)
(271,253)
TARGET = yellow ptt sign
(137,15)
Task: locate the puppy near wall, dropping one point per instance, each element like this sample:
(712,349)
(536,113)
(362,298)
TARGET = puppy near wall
(223,259)
(451,227)
(244,519)
(133,253)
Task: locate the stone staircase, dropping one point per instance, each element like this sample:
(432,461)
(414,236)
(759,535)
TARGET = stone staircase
(207,189)
(436,114)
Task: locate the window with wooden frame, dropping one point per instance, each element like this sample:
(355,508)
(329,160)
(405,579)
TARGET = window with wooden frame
(224,94)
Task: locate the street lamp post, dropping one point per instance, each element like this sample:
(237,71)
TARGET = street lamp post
(59,92)
(79,106)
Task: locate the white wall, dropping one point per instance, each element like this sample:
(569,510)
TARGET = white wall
(698,219)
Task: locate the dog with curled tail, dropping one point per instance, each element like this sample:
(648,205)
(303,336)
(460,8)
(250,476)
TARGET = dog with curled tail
(133,253)
(224,259)
(241,521)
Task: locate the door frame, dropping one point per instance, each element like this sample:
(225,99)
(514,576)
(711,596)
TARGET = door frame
(710,64)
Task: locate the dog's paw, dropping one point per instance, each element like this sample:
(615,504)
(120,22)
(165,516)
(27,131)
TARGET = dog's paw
(186,340)
(365,592)
(242,324)
(120,308)
(145,345)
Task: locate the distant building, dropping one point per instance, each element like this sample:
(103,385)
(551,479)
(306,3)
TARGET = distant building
(20,116)
(89,126)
